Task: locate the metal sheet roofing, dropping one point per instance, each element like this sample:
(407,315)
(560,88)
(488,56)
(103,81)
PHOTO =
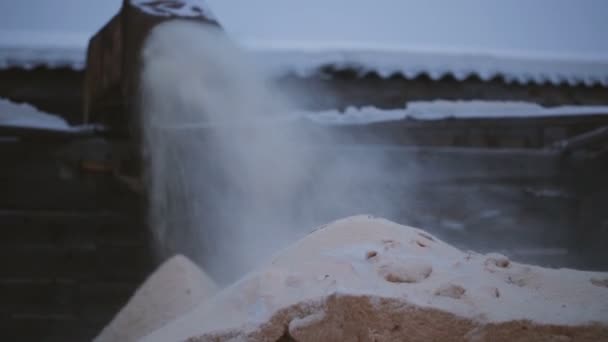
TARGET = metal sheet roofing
(305,61)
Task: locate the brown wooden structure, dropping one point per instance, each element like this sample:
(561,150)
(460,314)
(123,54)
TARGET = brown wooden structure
(113,63)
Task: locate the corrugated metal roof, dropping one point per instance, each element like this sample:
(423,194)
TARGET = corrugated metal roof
(437,64)
(384,62)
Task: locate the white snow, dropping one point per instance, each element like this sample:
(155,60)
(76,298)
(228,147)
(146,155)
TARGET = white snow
(24,115)
(437,110)
(416,110)
(50,57)
(385,60)
(29,49)
(308,59)
(182,8)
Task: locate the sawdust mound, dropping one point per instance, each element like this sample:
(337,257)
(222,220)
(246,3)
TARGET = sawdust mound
(174,289)
(368,279)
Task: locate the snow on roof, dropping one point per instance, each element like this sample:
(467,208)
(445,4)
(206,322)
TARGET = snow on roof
(23,115)
(416,110)
(438,110)
(48,57)
(385,61)
(31,49)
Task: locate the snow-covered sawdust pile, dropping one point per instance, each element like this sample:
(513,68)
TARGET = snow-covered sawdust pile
(369,279)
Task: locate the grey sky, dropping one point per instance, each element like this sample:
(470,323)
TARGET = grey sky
(56,15)
(572,27)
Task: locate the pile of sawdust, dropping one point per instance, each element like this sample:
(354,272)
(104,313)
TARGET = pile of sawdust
(173,290)
(368,279)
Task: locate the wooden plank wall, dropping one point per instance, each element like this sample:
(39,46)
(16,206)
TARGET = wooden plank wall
(73,247)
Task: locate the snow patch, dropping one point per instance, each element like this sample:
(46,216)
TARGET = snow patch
(24,115)
(180,8)
(410,62)
(305,61)
(438,110)
(31,57)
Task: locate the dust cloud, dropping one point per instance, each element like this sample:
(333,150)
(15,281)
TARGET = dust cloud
(232,175)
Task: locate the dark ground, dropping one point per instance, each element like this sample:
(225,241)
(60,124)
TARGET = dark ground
(73,247)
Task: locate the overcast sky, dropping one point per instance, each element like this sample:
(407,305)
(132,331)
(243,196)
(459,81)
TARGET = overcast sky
(565,27)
